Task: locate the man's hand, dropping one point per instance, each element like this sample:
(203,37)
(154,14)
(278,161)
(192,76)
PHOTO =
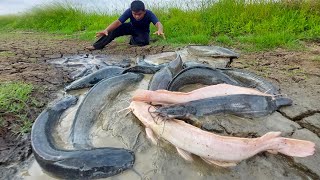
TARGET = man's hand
(160,33)
(101,33)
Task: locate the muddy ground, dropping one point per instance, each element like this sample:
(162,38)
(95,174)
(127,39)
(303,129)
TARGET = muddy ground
(26,56)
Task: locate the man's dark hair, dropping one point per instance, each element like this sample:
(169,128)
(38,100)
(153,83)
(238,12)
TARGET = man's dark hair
(137,6)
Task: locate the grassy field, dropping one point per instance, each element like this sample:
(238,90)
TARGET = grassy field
(14,107)
(249,25)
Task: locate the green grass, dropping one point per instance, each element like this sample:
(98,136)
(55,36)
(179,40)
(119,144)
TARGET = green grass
(6,54)
(251,25)
(316,58)
(15,101)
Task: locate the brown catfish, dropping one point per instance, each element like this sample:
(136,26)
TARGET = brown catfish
(215,149)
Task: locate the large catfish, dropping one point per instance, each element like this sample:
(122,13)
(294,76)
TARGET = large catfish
(162,78)
(92,79)
(243,105)
(99,96)
(73,164)
(199,74)
(215,149)
(249,79)
(173,97)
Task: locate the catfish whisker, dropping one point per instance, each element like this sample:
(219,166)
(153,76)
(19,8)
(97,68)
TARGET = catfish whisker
(127,108)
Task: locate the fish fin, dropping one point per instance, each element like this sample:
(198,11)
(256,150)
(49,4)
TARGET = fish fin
(194,120)
(184,154)
(219,163)
(151,136)
(283,101)
(269,135)
(127,108)
(295,147)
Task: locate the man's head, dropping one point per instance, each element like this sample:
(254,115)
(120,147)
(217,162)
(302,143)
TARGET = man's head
(138,10)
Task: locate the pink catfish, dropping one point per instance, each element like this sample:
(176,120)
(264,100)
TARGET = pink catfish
(170,97)
(215,149)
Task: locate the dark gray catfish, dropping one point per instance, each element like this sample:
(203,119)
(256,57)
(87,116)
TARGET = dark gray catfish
(92,79)
(124,63)
(162,78)
(141,62)
(251,80)
(143,69)
(99,95)
(73,164)
(176,65)
(199,74)
(243,105)
(84,72)
(193,63)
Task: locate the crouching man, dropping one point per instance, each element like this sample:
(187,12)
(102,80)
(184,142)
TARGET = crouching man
(138,27)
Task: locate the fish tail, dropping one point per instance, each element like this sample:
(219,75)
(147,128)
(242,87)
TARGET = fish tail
(142,95)
(283,101)
(287,146)
(295,147)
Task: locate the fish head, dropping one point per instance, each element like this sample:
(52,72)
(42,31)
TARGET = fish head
(143,111)
(64,103)
(174,111)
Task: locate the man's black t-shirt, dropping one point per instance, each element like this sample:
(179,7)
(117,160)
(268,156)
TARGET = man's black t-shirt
(142,25)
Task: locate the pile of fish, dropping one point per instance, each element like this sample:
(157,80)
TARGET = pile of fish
(227,92)
(214,149)
(164,111)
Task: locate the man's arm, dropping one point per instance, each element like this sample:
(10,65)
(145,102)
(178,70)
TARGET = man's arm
(160,29)
(110,28)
